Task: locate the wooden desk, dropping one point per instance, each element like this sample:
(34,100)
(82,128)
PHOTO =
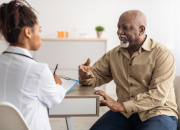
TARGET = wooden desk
(80,101)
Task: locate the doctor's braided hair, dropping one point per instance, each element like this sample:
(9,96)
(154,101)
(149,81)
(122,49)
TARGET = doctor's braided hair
(13,17)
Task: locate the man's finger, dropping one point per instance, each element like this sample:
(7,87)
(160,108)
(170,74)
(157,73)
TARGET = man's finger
(81,75)
(91,76)
(88,62)
(88,76)
(101,93)
(81,70)
(85,75)
(104,102)
(81,67)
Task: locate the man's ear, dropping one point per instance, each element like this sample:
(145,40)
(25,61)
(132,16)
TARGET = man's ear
(141,30)
(28,32)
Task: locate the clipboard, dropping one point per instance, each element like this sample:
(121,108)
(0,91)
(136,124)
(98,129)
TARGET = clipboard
(68,83)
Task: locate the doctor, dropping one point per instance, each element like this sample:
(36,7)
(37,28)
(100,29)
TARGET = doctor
(27,84)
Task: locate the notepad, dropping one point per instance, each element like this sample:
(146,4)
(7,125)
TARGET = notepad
(68,84)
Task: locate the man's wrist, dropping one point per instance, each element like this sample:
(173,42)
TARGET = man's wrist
(122,108)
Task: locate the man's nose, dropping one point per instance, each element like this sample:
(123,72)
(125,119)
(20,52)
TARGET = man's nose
(120,31)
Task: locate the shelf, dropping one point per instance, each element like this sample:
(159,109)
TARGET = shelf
(70,39)
(73,39)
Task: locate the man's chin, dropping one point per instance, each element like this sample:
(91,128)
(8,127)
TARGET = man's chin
(126,45)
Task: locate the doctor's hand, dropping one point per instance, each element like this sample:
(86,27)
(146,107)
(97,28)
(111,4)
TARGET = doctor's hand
(84,70)
(57,79)
(111,103)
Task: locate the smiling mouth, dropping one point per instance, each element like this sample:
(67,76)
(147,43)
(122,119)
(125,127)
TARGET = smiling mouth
(123,39)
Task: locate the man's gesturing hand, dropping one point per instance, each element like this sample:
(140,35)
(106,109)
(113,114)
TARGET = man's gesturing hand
(84,70)
(109,102)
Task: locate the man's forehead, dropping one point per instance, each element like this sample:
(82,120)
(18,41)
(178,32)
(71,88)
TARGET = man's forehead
(124,21)
(127,16)
(132,17)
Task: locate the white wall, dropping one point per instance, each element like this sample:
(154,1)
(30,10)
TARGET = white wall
(162,15)
(86,14)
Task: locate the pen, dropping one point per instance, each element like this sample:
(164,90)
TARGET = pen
(55,69)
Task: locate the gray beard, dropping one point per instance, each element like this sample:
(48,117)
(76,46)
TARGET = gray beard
(124,45)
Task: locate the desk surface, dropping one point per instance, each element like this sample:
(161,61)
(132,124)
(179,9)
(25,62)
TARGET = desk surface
(80,91)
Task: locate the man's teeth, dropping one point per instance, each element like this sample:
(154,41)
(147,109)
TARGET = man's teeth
(121,36)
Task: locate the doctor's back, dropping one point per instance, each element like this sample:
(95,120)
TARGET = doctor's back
(24,82)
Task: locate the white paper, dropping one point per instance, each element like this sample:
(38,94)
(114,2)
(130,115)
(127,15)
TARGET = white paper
(68,84)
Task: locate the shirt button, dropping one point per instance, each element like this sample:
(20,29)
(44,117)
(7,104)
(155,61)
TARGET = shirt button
(131,84)
(132,96)
(130,76)
(130,64)
(132,111)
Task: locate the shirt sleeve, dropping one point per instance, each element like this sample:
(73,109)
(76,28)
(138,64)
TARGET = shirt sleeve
(159,88)
(49,92)
(101,72)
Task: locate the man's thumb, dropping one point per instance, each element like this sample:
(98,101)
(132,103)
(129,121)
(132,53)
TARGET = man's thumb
(88,62)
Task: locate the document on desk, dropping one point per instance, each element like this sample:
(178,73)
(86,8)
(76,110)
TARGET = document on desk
(68,84)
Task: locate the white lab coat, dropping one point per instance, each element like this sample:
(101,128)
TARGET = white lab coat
(30,86)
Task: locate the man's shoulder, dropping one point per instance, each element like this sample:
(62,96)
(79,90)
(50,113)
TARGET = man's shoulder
(157,46)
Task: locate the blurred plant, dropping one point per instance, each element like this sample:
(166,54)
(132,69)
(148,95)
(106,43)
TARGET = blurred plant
(99,28)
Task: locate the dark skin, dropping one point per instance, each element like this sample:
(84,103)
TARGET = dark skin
(132,24)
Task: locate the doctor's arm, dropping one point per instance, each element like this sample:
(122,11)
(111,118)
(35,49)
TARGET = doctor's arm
(50,92)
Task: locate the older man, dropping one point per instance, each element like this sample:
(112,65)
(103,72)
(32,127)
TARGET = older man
(143,71)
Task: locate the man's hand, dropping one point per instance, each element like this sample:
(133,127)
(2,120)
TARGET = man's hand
(84,70)
(57,79)
(109,102)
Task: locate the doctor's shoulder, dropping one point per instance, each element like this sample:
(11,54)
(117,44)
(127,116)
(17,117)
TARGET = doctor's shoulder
(40,68)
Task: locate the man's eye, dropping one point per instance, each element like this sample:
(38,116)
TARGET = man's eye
(125,28)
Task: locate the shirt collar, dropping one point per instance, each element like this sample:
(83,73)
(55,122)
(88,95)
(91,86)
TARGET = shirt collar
(147,44)
(19,50)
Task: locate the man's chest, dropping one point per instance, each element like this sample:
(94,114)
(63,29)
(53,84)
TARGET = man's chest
(138,68)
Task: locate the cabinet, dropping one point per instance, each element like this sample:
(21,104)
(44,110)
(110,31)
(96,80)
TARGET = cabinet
(80,101)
